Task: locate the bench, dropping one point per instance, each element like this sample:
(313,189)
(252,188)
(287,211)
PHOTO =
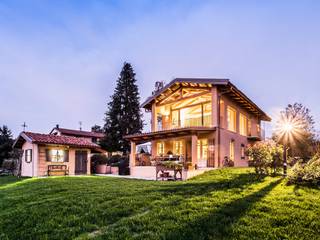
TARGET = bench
(58,170)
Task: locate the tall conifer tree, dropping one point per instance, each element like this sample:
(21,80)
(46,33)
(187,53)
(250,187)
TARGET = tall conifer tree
(123,116)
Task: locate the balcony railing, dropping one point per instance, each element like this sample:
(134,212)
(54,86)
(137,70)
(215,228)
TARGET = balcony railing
(204,121)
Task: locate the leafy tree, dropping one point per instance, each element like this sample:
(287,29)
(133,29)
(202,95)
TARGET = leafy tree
(265,157)
(301,138)
(123,116)
(96,128)
(6,142)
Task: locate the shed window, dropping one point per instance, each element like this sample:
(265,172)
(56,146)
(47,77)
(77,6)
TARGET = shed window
(28,155)
(57,155)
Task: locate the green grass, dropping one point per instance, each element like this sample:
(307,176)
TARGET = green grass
(221,204)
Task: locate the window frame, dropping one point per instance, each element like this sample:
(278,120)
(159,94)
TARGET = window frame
(232,150)
(243,151)
(243,122)
(160,146)
(28,154)
(231,109)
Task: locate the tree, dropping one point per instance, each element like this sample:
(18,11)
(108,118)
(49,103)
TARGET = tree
(6,141)
(301,137)
(123,116)
(96,128)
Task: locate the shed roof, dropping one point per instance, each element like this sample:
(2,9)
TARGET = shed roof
(40,138)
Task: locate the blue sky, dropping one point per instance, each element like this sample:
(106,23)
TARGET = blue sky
(59,60)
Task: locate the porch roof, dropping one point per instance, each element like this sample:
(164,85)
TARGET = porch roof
(171,133)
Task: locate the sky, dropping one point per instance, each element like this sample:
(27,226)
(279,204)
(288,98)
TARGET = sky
(59,60)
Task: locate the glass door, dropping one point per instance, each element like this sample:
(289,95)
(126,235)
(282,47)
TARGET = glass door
(202,151)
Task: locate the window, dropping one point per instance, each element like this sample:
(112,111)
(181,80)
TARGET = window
(232,119)
(249,127)
(258,129)
(160,148)
(243,151)
(57,155)
(177,148)
(231,155)
(28,155)
(175,119)
(222,112)
(243,128)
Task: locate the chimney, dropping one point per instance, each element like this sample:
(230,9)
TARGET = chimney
(57,126)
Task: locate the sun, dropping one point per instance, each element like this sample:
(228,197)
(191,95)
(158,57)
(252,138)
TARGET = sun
(289,129)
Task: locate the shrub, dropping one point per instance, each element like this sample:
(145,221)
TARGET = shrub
(120,161)
(306,173)
(265,157)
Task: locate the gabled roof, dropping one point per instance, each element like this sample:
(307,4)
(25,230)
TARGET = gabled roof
(223,84)
(77,133)
(39,138)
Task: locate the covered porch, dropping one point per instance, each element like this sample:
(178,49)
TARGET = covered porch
(191,149)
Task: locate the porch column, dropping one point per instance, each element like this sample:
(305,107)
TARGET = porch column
(194,150)
(133,154)
(153,149)
(215,107)
(154,121)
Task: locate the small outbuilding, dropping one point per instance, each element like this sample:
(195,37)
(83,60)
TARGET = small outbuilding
(49,154)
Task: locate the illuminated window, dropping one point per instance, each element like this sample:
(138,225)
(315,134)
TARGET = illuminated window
(28,155)
(160,148)
(231,155)
(243,128)
(232,119)
(57,155)
(177,148)
(222,112)
(243,151)
(258,128)
(249,127)
(175,119)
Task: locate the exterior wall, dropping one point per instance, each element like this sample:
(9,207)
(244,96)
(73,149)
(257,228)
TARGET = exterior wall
(43,164)
(226,138)
(29,169)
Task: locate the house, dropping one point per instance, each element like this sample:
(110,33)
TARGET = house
(94,137)
(50,154)
(201,122)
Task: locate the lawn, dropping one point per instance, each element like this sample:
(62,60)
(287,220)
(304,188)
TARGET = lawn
(221,204)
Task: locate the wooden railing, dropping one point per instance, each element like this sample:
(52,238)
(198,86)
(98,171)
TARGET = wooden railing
(204,121)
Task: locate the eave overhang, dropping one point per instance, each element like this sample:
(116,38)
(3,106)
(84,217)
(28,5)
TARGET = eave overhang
(224,85)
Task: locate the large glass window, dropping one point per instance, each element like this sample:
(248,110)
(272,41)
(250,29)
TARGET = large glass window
(175,118)
(191,116)
(243,128)
(202,151)
(207,109)
(232,119)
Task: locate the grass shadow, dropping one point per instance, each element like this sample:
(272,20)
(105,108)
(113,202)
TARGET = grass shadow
(219,224)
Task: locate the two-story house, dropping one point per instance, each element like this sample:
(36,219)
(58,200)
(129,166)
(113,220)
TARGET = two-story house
(202,121)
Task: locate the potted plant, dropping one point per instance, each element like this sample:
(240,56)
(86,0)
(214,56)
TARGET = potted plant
(99,163)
